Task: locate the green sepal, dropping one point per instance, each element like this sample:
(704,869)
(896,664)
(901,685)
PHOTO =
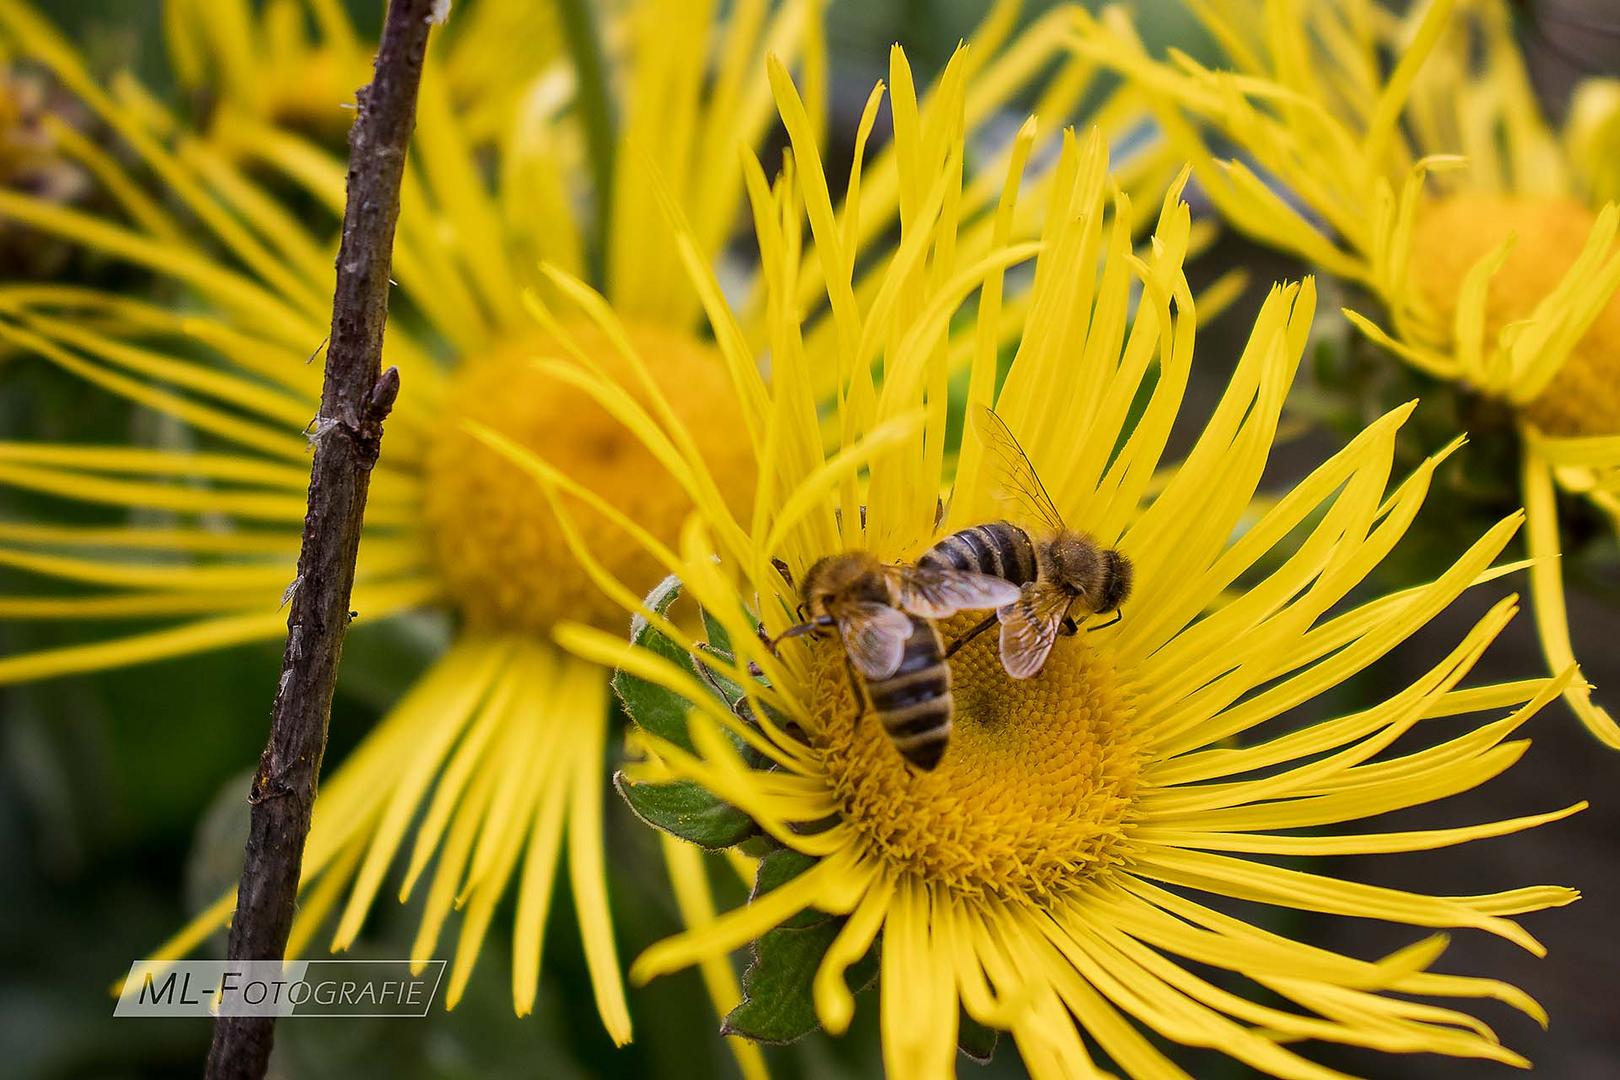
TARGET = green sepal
(976,1040)
(719,637)
(658,710)
(723,687)
(719,643)
(778,1004)
(687,810)
(650,706)
(777,869)
(682,808)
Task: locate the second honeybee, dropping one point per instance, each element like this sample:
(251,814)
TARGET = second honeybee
(1060,571)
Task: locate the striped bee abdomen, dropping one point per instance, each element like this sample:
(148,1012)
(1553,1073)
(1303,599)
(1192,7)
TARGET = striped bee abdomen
(1000,549)
(914,704)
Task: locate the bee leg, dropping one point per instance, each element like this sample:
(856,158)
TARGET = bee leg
(984,624)
(824,622)
(713,681)
(1118,615)
(821,622)
(1068,627)
(723,657)
(753,667)
(782,568)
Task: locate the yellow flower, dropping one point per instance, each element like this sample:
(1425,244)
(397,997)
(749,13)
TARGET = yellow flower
(1409,156)
(297,63)
(1038,878)
(1593,137)
(30,155)
(41,138)
(477,775)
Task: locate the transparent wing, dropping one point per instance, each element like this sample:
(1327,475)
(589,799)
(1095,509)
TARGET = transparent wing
(874,636)
(938,593)
(1029,626)
(1019,482)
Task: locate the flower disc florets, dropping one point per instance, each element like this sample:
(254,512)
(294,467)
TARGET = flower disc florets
(499,547)
(1035,792)
(1456,232)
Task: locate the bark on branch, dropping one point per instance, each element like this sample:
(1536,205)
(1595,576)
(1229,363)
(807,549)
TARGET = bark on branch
(354,401)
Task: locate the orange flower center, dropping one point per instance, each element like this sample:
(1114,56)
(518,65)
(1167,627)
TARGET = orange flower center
(1035,791)
(1456,232)
(500,549)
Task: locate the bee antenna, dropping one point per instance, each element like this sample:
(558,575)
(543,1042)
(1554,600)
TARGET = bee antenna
(821,622)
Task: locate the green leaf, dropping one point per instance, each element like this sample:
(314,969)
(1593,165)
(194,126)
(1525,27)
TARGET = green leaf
(720,643)
(662,597)
(976,1040)
(719,637)
(723,687)
(777,1006)
(656,709)
(688,811)
(777,869)
(650,706)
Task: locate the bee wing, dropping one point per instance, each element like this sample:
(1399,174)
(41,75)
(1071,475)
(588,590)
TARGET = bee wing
(874,637)
(937,593)
(1019,482)
(1029,626)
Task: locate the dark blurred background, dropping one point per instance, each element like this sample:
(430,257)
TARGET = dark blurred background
(120,793)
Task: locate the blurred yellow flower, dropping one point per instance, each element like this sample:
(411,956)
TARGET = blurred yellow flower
(1409,156)
(1036,878)
(31,157)
(483,768)
(297,63)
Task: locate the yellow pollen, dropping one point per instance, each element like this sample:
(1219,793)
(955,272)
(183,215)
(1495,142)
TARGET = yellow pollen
(1456,232)
(1035,792)
(500,550)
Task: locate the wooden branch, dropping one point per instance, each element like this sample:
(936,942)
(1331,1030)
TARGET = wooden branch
(348,434)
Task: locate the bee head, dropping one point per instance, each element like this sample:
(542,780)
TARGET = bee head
(850,575)
(1118,575)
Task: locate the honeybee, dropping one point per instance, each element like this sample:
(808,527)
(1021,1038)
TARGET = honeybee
(915,705)
(1557,29)
(882,615)
(1055,572)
